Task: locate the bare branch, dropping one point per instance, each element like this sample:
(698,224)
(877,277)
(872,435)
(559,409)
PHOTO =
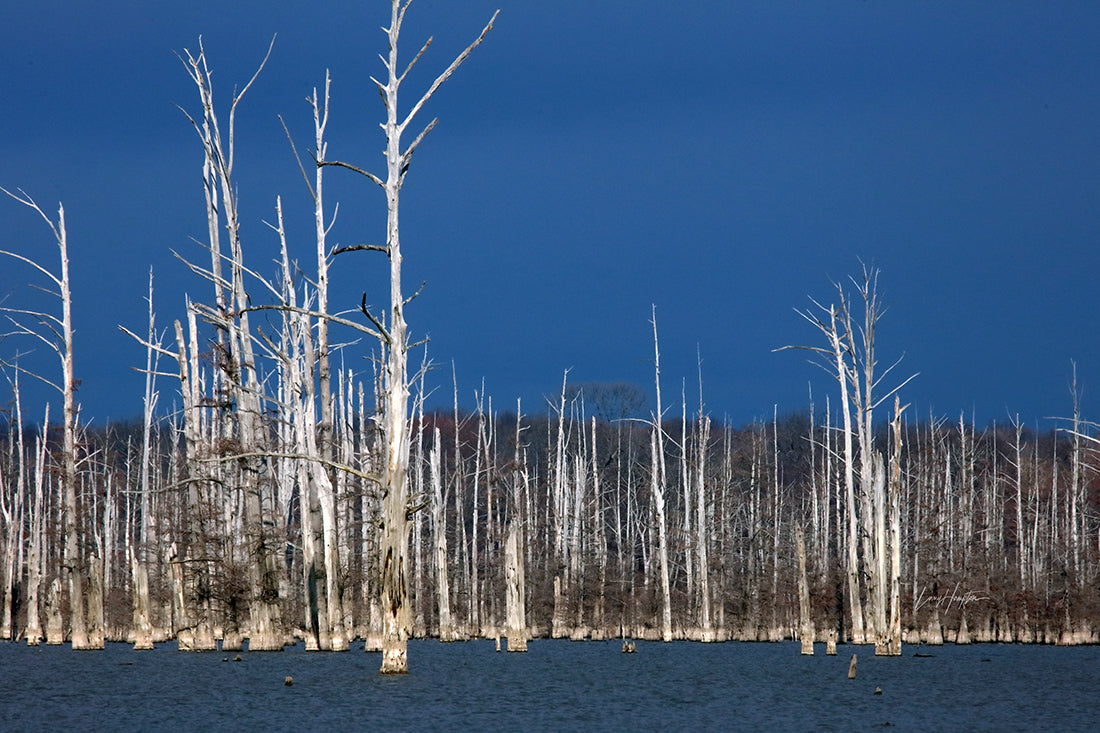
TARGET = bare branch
(414,295)
(294,456)
(312,313)
(44,318)
(415,59)
(149,345)
(357,247)
(384,334)
(297,157)
(354,168)
(29,373)
(406,157)
(450,70)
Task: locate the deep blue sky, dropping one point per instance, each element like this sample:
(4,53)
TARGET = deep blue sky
(722,160)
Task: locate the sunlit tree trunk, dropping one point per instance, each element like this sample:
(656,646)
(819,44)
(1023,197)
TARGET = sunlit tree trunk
(560,514)
(33,631)
(55,627)
(657,488)
(514,589)
(72,566)
(852,573)
(439,541)
(702,532)
(142,628)
(12,500)
(894,628)
(392,329)
(253,470)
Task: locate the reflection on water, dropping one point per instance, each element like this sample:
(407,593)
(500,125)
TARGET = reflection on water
(557,685)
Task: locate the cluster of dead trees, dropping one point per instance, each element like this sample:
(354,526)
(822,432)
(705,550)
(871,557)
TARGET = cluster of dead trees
(561,525)
(287,496)
(257,422)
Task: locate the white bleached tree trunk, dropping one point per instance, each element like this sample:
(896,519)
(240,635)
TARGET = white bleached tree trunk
(55,627)
(851,360)
(657,487)
(12,500)
(893,642)
(396,617)
(33,631)
(701,531)
(253,470)
(60,341)
(138,554)
(514,590)
(439,542)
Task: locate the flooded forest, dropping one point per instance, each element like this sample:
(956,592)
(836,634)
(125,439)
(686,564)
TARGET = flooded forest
(272,495)
(181,536)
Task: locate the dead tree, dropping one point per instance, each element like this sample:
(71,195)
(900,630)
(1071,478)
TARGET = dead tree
(657,486)
(393,330)
(850,359)
(57,333)
(230,316)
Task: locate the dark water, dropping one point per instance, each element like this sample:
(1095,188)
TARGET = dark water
(557,685)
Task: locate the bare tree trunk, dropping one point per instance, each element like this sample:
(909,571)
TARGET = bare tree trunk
(11,506)
(894,629)
(55,628)
(559,500)
(806,622)
(395,527)
(657,487)
(96,630)
(13,499)
(701,531)
(142,626)
(139,575)
(852,567)
(854,366)
(72,566)
(878,500)
(33,632)
(439,541)
(514,590)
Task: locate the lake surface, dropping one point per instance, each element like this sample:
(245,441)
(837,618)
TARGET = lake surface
(558,685)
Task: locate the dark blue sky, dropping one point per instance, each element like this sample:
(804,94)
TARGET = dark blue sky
(722,160)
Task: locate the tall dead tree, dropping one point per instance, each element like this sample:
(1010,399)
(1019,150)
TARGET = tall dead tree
(657,486)
(57,334)
(238,364)
(850,359)
(393,330)
(12,495)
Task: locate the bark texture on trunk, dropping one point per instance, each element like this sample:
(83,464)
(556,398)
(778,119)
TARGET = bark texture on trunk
(806,622)
(514,591)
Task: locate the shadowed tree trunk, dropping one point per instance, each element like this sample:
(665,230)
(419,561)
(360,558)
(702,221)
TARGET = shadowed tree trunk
(806,622)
